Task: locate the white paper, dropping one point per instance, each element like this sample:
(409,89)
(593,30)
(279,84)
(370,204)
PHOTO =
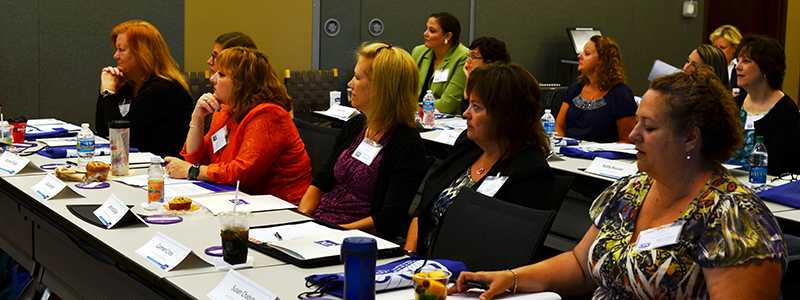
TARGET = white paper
(223,202)
(447,137)
(340,112)
(450,123)
(615,147)
(288,232)
(661,68)
(70,141)
(184,189)
(163,252)
(111,211)
(237,286)
(611,168)
(67,126)
(133,158)
(329,244)
(11,164)
(475,294)
(48,187)
(48,121)
(141,180)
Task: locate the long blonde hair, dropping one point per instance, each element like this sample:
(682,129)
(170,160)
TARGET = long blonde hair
(393,76)
(150,50)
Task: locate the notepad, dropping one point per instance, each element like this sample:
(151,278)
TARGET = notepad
(323,245)
(218,203)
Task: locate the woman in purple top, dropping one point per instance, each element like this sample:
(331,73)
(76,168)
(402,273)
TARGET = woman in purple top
(379,160)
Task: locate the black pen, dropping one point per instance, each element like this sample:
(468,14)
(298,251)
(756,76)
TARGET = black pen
(278,236)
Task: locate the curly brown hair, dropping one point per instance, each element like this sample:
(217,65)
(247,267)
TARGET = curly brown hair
(611,71)
(701,100)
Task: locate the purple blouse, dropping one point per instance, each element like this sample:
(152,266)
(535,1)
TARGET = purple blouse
(350,199)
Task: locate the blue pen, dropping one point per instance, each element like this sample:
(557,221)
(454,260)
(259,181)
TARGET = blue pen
(160,265)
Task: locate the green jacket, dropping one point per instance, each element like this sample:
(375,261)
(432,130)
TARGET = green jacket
(448,93)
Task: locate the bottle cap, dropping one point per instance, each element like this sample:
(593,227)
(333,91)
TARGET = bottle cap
(547,111)
(155,160)
(359,245)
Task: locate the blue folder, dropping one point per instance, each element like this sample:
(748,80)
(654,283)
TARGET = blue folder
(786,194)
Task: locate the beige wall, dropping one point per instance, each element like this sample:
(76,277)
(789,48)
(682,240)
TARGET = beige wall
(791,83)
(281,29)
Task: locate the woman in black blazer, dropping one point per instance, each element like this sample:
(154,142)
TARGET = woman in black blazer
(501,154)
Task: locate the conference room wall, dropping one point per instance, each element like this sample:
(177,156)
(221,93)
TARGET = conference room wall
(281,29)
(536,32)
(52,51)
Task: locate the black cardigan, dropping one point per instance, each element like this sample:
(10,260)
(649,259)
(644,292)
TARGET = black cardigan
(159,115)
(399,175)
(529,183)
(781,130)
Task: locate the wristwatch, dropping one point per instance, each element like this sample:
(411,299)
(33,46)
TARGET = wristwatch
(194,171)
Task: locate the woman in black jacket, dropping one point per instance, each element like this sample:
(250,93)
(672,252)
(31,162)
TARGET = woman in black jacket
(502,154)
(379,160)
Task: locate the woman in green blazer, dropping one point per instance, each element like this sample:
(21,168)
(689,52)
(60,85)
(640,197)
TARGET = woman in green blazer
(441,62)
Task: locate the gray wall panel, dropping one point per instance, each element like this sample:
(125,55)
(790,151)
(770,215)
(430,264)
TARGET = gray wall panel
(536,36)
(19,59)
(52,51)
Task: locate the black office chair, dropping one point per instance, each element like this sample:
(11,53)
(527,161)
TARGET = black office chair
(552,97)
(310,91)
(489,234)
(319,141)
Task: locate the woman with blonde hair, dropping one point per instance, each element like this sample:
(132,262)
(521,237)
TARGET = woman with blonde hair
(146,88)
(599,107)
(256,140)
(379,160)
(727,39)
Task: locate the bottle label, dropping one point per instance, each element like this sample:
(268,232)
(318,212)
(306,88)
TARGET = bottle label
(155,190)
(86,144)
(758,175)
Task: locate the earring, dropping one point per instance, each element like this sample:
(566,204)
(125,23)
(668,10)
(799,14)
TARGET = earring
(688,156)
(445,41)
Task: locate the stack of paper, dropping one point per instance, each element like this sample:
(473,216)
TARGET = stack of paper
(309,240)
(223,202)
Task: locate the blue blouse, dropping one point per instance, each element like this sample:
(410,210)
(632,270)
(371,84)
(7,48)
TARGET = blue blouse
(596,120)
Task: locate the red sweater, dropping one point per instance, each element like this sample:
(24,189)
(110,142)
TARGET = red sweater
(264,151)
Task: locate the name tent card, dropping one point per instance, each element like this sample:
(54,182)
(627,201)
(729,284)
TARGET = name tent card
(50,187)
(114,212)
(167,254)
(12,164)
(611,168)
(236,286)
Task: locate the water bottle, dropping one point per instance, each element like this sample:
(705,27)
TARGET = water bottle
(758,163)
(85,144)
(5,133)
(549,125)
(359,255)
(155,182)
(427,110)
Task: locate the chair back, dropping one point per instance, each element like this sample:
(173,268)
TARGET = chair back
(552,97)
(489,234)
(310,90)
(319,141)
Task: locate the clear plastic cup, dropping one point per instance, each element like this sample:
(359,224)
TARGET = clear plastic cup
(431,284)
(234,232)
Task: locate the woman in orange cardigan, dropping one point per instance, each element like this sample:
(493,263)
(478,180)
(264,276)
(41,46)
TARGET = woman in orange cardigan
(252,137)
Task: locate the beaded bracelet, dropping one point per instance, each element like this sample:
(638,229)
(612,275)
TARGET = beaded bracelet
(516,278)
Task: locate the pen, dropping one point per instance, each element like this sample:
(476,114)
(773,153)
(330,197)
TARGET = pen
(278,236)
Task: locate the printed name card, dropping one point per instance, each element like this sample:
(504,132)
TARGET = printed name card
(611,168)
(111,212)
(50,187)
(166,253)
(12,164)
(343,113)
(236,286)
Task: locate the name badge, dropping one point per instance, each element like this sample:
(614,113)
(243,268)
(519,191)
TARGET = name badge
(492,184)
(440,75)
(220,138)
(48,187)
(11,164)
(611,168)
(236,286)
(661,236)
(367,151)
(750,122)
(163,252)
(111,212)
(124,108)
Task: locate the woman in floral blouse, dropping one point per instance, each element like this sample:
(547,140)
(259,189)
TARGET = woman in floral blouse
(682,228)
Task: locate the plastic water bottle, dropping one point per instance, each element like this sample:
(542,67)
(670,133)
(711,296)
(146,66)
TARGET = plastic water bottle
(549,125)
(758,163)
(427,110)
(85,144)
(155,182)
(5,132)
(359,255)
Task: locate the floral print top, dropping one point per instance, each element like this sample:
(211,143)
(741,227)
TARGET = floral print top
(725,225)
